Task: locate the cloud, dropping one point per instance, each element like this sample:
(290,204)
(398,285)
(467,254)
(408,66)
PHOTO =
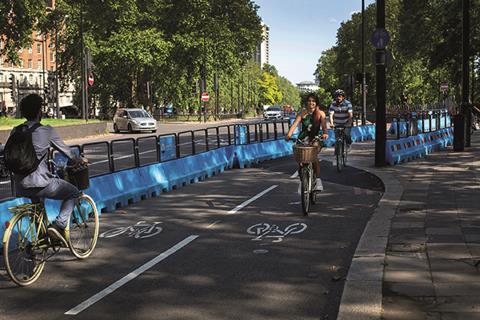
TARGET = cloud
(333,20)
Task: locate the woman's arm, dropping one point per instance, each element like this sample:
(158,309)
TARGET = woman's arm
(294,125)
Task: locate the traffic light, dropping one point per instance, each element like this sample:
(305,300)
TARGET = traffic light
(215,82)
(50,88)
(13,87)
(46,91)
(194,89)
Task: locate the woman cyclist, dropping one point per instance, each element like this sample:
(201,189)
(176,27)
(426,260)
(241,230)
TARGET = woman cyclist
(312,118)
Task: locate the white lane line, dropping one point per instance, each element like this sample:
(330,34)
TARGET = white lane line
(246,203)
(5,182)
(294,175)
(132,275)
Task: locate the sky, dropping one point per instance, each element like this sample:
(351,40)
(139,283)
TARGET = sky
(301,29)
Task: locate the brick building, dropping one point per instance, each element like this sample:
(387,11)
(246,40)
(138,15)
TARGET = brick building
(32,72)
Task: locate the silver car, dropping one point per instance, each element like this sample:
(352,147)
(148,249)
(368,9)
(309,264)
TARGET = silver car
(273,112)
(133,120)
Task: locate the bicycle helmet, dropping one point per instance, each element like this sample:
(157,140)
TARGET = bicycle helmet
(339,92)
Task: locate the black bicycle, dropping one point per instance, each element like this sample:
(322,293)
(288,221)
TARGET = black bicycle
(340,148)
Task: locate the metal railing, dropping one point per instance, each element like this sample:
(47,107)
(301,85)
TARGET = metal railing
(406,124)
(106,157)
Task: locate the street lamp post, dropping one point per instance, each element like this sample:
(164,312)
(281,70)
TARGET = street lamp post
(380,124)
(466,71)
(364,81)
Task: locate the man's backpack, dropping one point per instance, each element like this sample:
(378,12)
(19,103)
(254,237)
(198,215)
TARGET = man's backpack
(19,152)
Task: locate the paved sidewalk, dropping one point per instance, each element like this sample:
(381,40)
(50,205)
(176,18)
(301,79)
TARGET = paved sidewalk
(428,224)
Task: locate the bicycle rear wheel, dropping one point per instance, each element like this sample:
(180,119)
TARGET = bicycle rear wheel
(305,181)
(83,227)
(25,245)
(344,155)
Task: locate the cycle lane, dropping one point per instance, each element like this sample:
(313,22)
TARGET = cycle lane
(211,276)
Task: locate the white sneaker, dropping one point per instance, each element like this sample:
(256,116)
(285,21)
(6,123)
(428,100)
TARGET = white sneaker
(299,191)
(319,186)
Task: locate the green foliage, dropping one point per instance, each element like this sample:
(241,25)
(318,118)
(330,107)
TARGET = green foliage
(269,92)
(425,50)
(18,20)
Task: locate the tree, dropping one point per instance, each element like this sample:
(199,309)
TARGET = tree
(269,92)
(18,20)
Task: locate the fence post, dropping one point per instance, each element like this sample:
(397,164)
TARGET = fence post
(430,122)
(398,126)
(135,153)
(177,145)
(192,134)
(110,157)
(206,140)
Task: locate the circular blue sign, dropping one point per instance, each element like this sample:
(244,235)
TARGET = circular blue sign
(380,38)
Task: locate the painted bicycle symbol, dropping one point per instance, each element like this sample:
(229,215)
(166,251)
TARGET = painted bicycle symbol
(140,230)
(265,230)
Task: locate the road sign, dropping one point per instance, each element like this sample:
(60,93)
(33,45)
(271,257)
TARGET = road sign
(380,38)
(444,86)
(91,79)
(205,96)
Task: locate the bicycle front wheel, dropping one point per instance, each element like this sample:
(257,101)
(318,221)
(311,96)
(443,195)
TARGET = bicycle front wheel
(339,154)
(83,227)
(25,248)
(305,188)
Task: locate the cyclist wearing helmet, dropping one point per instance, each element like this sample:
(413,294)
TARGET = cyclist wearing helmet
(312,118)
(341,114)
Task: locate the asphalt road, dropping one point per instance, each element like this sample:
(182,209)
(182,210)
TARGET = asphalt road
(212,255)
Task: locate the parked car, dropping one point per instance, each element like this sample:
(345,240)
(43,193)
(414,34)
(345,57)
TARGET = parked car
(70,112)
(133,120)
(273,112)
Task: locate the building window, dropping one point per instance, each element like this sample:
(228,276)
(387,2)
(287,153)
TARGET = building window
(30,79)
(30,64)
(30,49)
(51,57)
(21,63)
(39,48)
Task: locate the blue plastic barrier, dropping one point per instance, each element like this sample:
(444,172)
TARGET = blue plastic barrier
(246,155)
(168,149)
(413,147)
(240,134)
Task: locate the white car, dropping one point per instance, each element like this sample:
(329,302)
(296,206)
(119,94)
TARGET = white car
(133,120)
(274,112)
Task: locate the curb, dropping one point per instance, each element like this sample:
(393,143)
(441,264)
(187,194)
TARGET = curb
(362,292)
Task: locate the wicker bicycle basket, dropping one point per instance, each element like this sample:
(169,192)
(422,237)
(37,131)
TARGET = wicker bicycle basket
(304,154)
(78,177)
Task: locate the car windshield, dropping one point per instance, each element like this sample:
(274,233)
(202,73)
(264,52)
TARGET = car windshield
(273,109)
(139,114)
